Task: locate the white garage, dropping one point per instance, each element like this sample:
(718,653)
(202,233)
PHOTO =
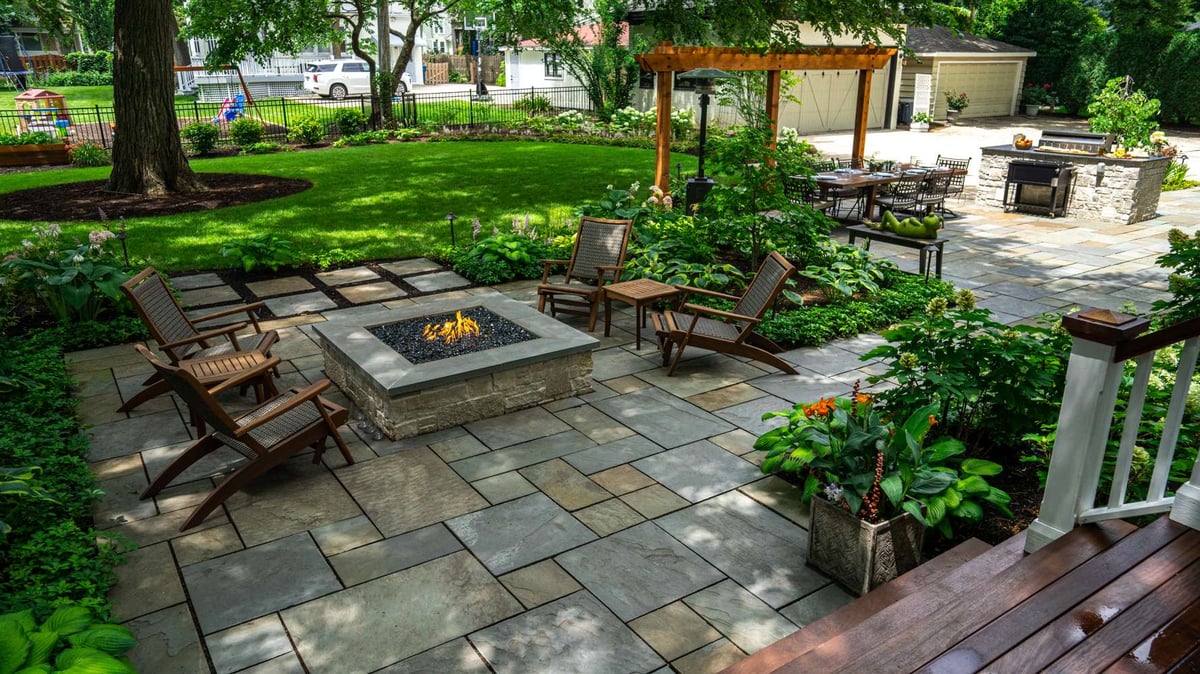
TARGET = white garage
(990,72)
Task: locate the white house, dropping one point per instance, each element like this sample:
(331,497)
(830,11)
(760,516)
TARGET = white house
(532,64)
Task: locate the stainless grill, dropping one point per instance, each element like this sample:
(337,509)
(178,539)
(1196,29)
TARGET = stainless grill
(1038,186)
(1075,142)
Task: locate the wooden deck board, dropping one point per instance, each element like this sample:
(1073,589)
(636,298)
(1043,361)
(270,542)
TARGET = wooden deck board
(1013,627)
(1132,626)
(885,642)
(813,635)
(1166,648)
(1086,618)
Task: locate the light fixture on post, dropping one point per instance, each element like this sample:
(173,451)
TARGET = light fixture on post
(481,92)
(706,85)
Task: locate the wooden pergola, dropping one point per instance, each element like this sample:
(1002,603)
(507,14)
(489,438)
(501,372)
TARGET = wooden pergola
(666,60)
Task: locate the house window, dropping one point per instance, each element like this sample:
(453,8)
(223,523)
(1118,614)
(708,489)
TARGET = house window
(553,64)
(646,80)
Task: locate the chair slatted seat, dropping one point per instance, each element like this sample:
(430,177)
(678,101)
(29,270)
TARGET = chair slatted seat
(266,435)
(179,337)
(729,332)
(598,259)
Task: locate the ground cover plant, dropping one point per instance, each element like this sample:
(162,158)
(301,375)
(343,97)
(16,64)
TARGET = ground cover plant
(377,201)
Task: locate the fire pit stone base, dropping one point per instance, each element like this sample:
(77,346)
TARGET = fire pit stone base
(405,399)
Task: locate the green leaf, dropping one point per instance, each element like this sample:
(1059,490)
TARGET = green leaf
(90,661)
(43,668)
(893,486)
(112,639)
(973,484)
(935,510)
(68,620)
(14,647)
(930,483)
(968,510)
(42,645)
(980,467)
(913,508)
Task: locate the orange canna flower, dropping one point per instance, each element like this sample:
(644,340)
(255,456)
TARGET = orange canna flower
(820,408)
(932,421)
(863,398)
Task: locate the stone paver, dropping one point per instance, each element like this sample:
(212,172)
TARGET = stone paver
(443,280)
(698,471)
(762,551)
(519,456)
(608,517)
(573,634)
(167,643)
(748,415)
(204,297)
(279,286)
(567,486)
(341,277)
(711,659)
(194,281)
(248,644)
(128,436)
(597,426)
(654,501)
(394,554)
(371,292)
(638,570)
(409,490)
(513,534)
(662,418)
(206,544)
(256,581)
(622,479)
(743,618)
(504,487)
(345,535)
(612,454)
(304,303)
(454,656)
(539,583)
(674,630)
(399,615)
(146,582)
(417,265)
(817,605)
(293,497)
(517,427)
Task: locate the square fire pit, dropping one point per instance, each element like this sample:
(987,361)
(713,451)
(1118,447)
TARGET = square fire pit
(405,398)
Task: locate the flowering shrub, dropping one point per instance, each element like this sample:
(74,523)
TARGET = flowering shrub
(75,284)
(987,380)
(857,458)
(1037,94)
(629,120)
(1184,282)
(1124,111)
(957,100)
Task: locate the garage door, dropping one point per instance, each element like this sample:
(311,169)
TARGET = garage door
(992,87)
(828,100)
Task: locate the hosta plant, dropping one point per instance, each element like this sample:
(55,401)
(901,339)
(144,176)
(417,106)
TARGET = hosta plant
(68,641)
(875,468)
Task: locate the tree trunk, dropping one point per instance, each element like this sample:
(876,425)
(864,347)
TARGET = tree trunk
(148,156)
(182,55)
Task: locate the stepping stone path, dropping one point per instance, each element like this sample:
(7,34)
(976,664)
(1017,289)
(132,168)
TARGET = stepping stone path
(625,530)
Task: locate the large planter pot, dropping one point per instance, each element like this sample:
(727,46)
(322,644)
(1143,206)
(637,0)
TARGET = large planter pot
(919,127)
(858,555)
(952,116)
(34,155)
(1032,110)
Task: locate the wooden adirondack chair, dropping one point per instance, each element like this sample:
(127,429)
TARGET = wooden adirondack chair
(599,258)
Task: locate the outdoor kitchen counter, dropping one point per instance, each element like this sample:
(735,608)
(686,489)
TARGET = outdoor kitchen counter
(1105,188)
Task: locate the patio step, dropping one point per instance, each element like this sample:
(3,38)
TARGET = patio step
(1105,595)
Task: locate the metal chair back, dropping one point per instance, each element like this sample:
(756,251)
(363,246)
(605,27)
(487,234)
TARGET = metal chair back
(959,181)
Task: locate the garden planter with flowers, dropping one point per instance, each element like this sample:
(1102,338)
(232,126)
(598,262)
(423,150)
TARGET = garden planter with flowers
(881,484)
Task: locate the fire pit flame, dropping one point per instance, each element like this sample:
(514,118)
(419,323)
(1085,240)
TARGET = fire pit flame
(452,331)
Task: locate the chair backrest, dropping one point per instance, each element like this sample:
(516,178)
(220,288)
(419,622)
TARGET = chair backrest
(957,182)
(937,186)
(852,163)
(154,303)
(909,186)
(765,287)
(187,387)
(798,189)
(824,166)
(601,243)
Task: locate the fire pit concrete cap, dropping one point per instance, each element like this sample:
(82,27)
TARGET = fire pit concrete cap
(392,374)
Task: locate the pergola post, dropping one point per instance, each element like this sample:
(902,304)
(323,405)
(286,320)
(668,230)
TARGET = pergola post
(664,82)
(774,82)
(858,146)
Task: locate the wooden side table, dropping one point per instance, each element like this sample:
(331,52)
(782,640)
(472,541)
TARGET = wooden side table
(214,370)
(640,293)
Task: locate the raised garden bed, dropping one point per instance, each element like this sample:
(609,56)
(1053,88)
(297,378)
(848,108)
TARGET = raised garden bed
(34,155)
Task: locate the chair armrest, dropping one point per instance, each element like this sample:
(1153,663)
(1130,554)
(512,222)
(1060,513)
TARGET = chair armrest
(711,293)
(701,309)
(248,308)
(615,269)
(302,396)
(547,264)
(226,330)
(246,375)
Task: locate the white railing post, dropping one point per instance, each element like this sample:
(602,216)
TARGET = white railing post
(1083,422)
(1187,498)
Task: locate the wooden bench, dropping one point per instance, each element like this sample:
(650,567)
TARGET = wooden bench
(925,246)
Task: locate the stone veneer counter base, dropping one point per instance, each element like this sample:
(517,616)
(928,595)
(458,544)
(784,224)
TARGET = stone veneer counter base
(404,399)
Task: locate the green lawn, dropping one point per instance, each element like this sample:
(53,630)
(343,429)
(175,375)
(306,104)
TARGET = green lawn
(76,97)
(378,201)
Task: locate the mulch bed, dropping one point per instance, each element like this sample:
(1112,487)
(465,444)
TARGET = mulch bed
(82,201)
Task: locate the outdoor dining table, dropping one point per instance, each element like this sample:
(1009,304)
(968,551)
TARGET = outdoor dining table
(869,181)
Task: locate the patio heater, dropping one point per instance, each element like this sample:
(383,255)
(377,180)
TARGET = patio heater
(706,85)
(481,91)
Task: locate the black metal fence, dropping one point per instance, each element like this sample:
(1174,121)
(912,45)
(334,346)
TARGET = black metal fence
(455,109)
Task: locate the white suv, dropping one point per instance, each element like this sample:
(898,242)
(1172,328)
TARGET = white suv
(342,77)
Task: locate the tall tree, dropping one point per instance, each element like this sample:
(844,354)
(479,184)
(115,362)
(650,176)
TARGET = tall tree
(148,155)
(94,19)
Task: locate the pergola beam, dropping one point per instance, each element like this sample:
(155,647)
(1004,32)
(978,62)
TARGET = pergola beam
(666,59)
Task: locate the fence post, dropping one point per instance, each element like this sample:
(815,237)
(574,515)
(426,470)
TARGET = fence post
(196,110)
(100,128)
(283,105)
(362,107)
(1089,397)
(471,110)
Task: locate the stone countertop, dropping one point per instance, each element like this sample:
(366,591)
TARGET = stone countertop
(1038,155)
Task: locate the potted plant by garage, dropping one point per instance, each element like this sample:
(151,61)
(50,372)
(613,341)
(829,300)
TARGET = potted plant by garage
(956,102)
(1034,97)
(874,485)
(920,122)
